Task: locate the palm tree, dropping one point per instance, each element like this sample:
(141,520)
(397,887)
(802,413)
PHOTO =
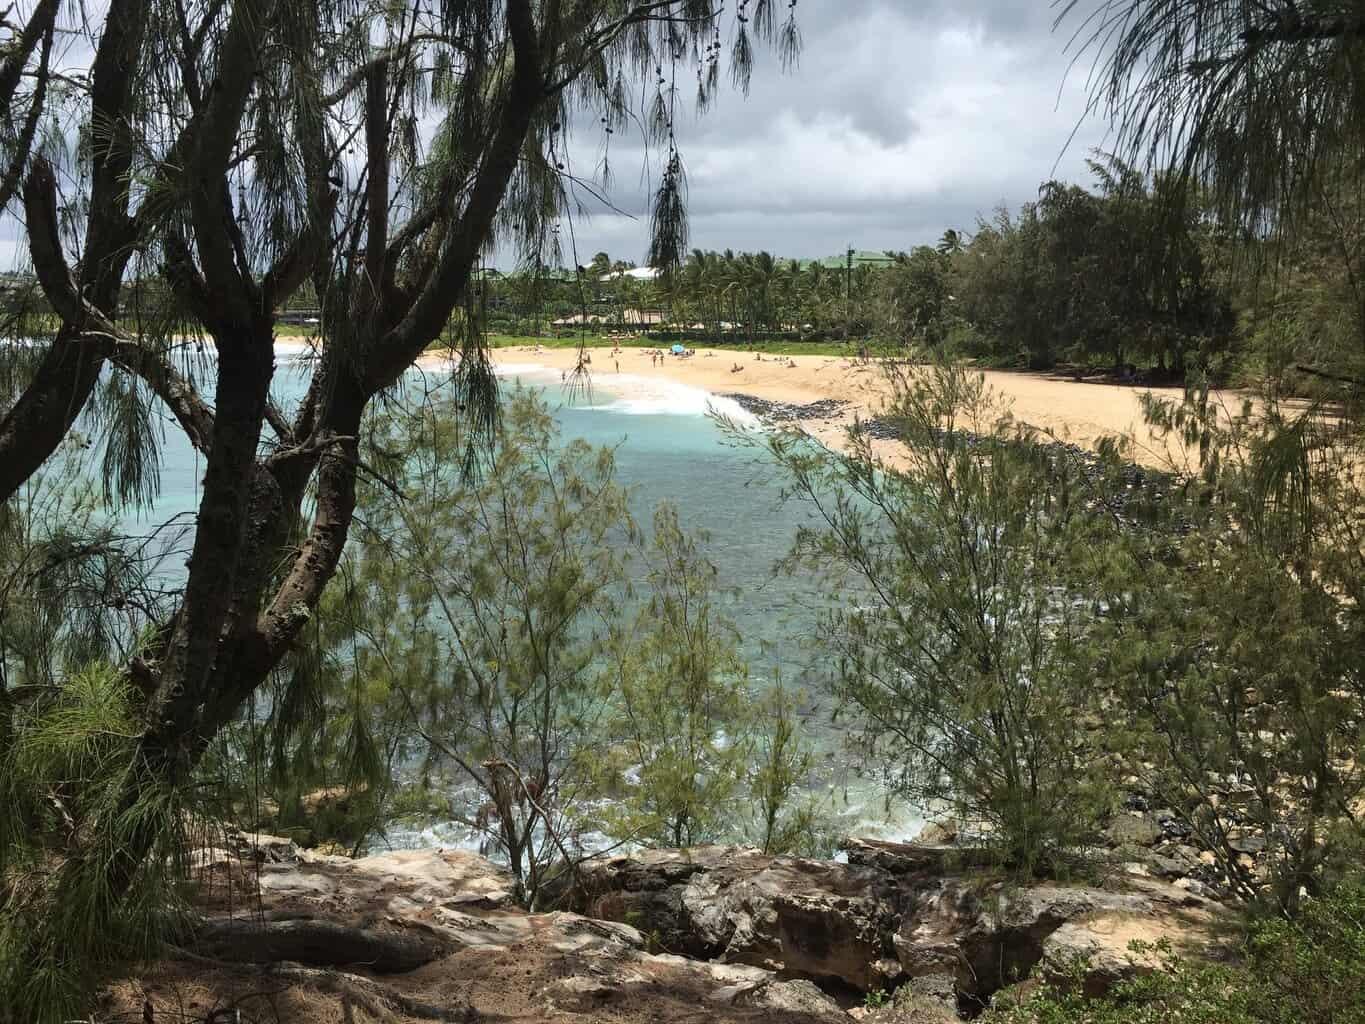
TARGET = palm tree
(950,244)
(765,273)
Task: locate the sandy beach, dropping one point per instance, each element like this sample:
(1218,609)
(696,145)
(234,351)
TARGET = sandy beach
(1077,412)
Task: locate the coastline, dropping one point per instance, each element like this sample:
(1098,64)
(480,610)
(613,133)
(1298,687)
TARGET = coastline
(1073,412)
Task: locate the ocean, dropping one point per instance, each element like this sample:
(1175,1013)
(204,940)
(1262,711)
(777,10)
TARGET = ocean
(669,447)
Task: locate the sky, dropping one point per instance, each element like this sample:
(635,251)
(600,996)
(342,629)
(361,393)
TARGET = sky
(903,118)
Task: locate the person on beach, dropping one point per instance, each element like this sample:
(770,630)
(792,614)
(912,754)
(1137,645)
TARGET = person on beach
(618,365)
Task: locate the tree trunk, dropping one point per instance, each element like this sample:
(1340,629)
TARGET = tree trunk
(229,633)
(317,943)
(31,431)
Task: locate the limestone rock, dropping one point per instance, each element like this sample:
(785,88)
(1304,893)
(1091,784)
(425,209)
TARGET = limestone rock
(1102,942)
(799,996)
(263,847)
(819,919)
(938,833)
(1248,844)
(400,882)
(917,858)
(894,914)
(897,917)
(992,938)
(1134,830)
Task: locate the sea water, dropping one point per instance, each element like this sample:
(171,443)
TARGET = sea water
(673,443)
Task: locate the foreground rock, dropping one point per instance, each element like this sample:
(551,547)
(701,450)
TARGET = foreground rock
(427,935)
(894,914)
(712,934)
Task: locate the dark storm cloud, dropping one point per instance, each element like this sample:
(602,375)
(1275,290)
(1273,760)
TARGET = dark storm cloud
(902,119)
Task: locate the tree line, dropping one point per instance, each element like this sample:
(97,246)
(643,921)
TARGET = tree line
(1139,273)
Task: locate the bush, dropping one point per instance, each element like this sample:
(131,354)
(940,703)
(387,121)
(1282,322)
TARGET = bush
(65,924)
(1310,970)
(959,649)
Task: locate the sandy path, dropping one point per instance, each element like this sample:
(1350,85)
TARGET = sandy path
(1077,412)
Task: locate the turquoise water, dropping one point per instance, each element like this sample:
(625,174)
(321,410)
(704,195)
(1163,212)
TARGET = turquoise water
(669,448)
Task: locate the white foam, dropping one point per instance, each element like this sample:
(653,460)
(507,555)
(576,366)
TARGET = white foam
(293,350)
(635,395)
(631,394)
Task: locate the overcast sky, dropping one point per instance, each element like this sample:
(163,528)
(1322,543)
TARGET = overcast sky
(905,117)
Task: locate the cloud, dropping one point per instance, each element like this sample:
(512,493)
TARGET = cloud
(901,120)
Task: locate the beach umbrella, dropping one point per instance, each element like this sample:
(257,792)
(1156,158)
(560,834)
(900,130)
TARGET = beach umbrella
(677,350)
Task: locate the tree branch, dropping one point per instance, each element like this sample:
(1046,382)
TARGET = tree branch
(24,144)
(45,245)
(166,382)
(278,423)
(430,311)
(39,26)
(113,75)
(90,329)
(352,81)
(210,153)
(604,37)
(377,190)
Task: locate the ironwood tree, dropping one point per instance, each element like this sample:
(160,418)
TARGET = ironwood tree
(233,152)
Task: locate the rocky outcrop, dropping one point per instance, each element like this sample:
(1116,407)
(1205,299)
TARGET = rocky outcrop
(714,934)
(991,936)
(894,913)
(430,935)
(1099,947)
(788,412)
(818,919)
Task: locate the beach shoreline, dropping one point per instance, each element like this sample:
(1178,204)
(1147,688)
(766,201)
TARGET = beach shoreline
(1082,413)
(1074,412)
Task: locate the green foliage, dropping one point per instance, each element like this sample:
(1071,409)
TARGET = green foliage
(1123,274)
(782,763)
(508,666)
(72,590)
(961,651)
(74,594)
(477,657)
(1307,971)
(681,726)
(1234,646)
(913,297)
(64,817)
